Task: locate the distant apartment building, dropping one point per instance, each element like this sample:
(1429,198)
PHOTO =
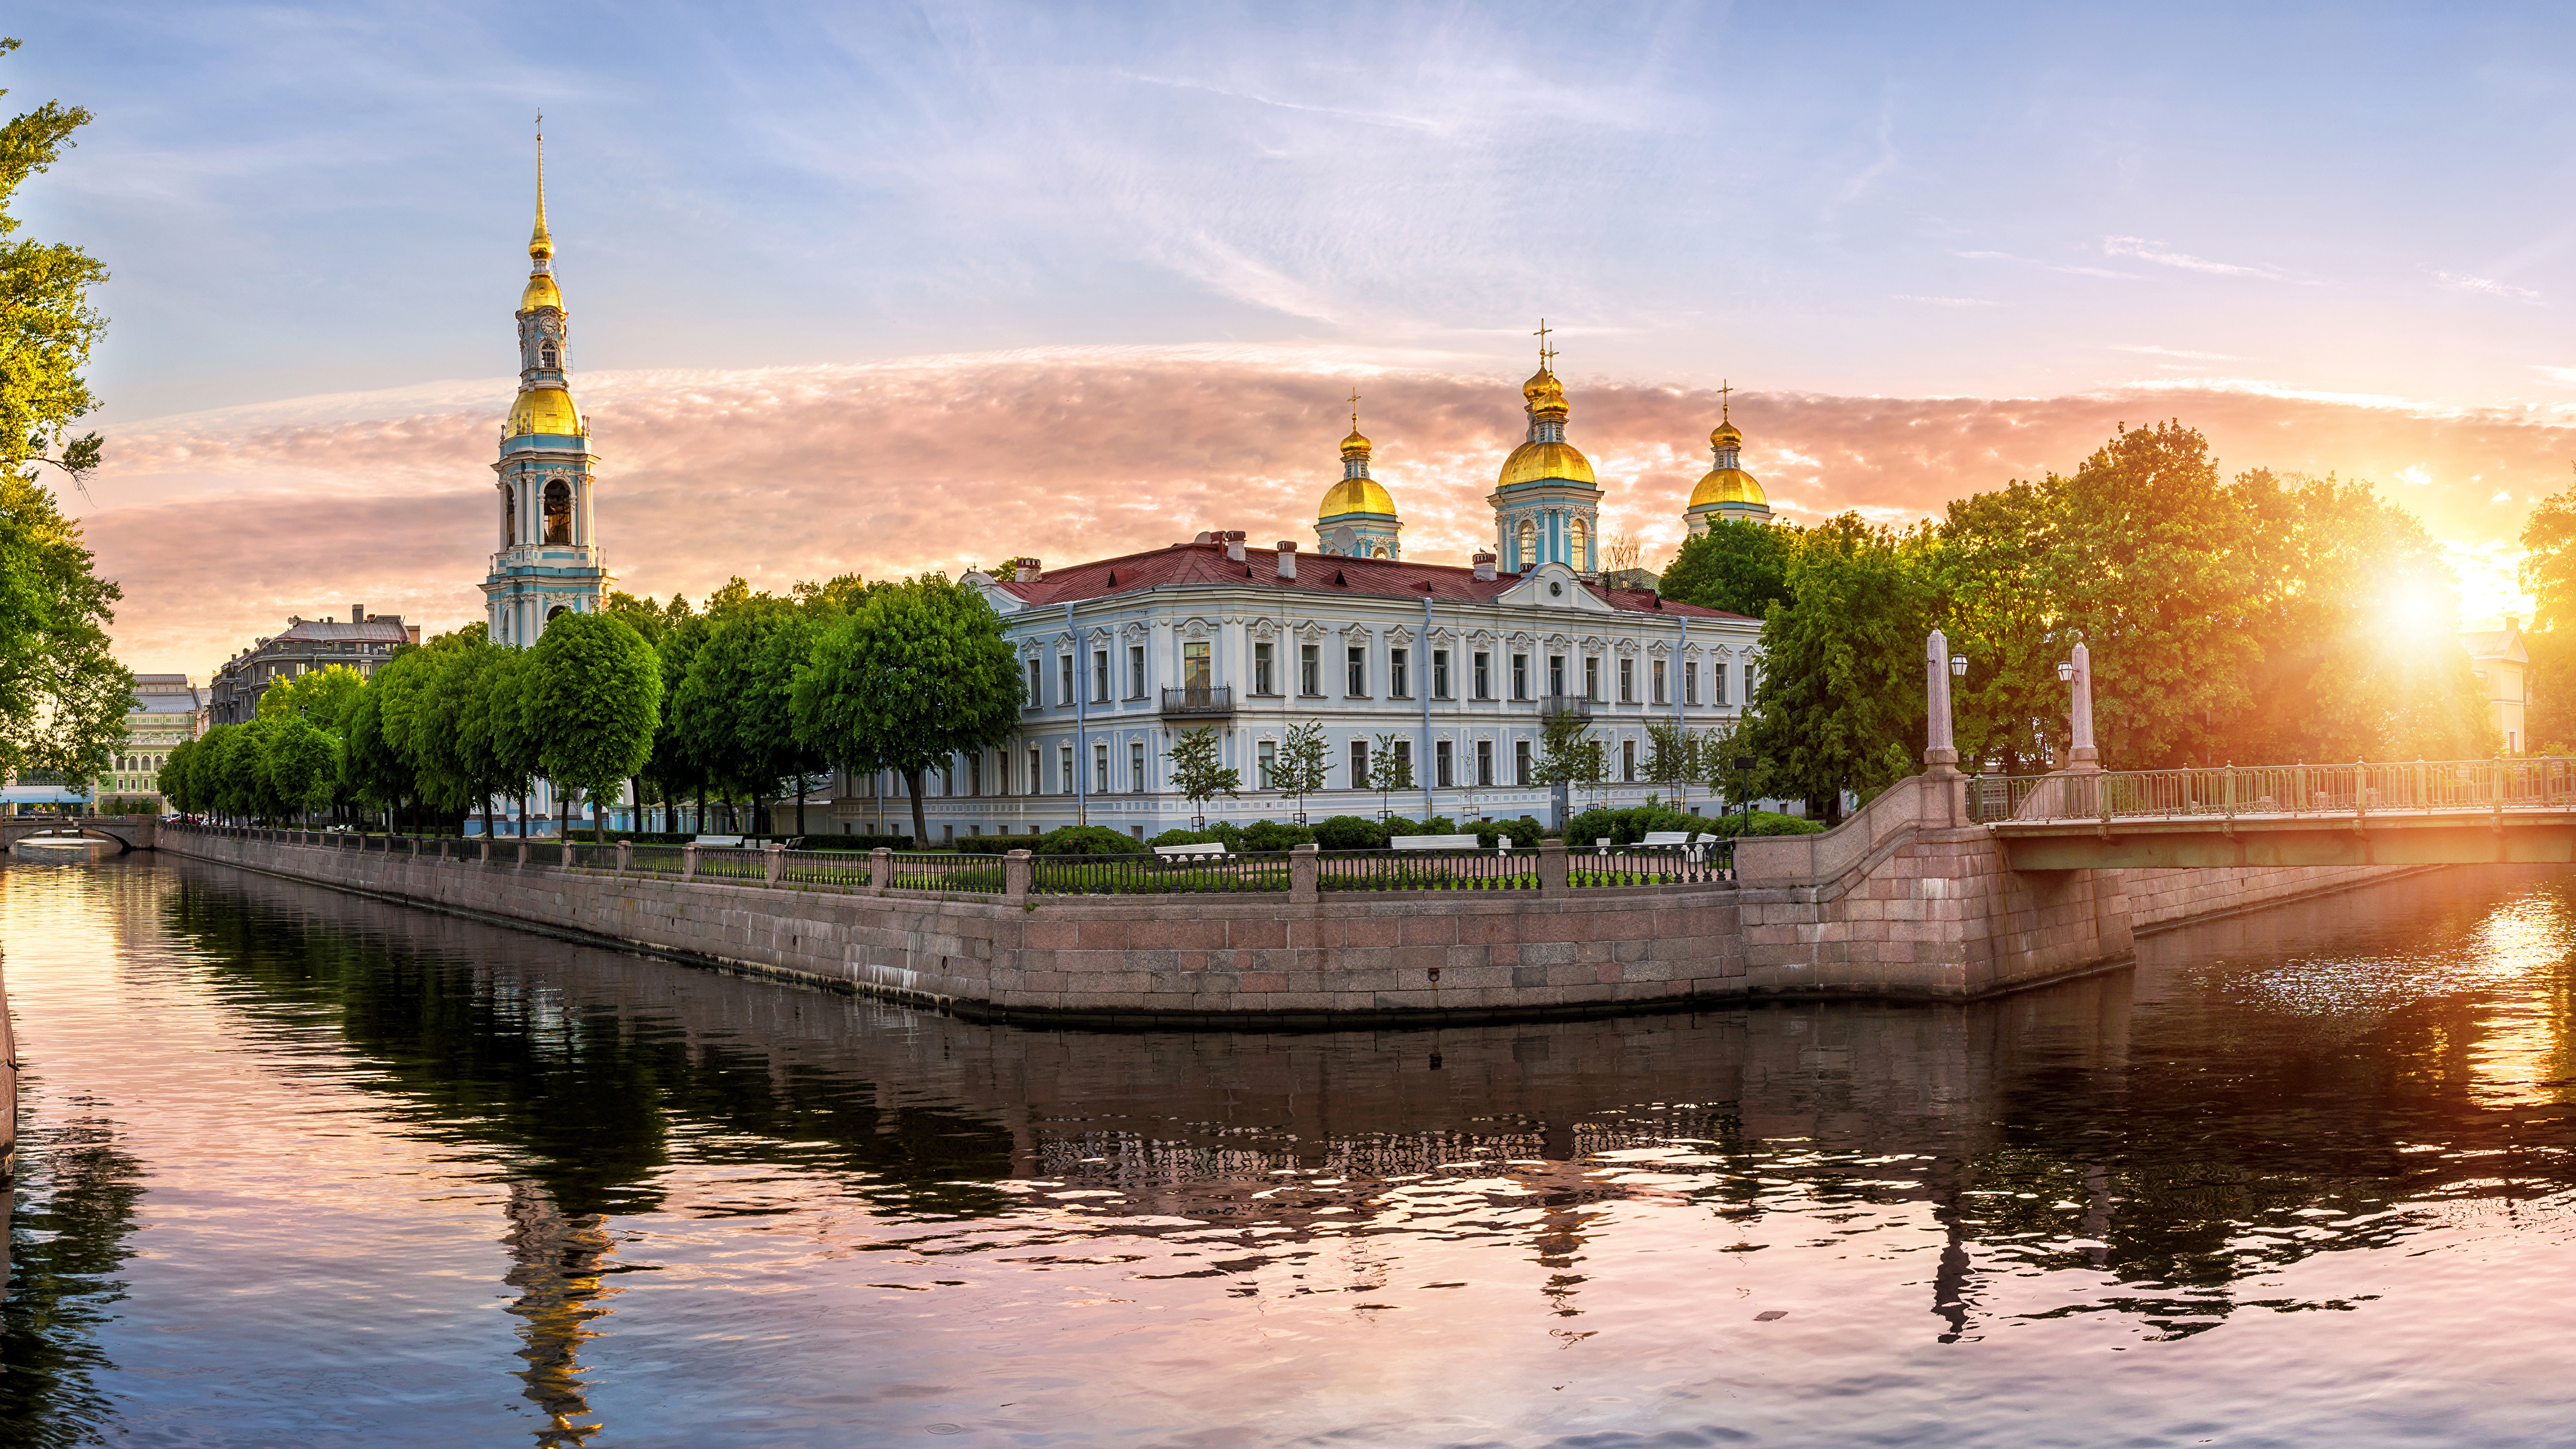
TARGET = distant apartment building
(167,712)
(361,643)
(2504,669)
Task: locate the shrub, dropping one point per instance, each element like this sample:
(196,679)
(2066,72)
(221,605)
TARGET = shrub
(1436,825)
(1350,832)
(1267,836)
(1524,831)
(1088,840)
(1765,822)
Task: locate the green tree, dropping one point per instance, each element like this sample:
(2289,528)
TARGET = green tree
(1675,759)
(1840,704)
(1739,566)
(740,746)
(594,696)
(1991,563)
(371,772)
(504,742)
(302,761)
(1390,769)
(62,695)
(1197,772)
(1303,760)
(173,781)
(916,675)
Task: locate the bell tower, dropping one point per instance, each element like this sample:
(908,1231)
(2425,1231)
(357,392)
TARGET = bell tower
(548,561)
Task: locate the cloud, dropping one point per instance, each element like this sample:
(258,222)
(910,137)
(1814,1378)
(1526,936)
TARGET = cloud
(2157,252)
(1949,301)
(2484,287)
(220,524)
(2174,352)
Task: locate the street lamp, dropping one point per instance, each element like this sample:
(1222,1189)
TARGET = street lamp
(1743,767)
(1958,666)
(2076,671)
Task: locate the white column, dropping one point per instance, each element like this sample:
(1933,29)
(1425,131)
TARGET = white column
(1940,753)
(2083,756)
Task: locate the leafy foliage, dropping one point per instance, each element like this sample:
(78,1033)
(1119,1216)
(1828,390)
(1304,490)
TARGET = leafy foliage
(593,699)
(1739,566)
(1196,771)
(1840,701)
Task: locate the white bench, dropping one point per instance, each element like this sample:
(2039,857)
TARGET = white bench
(720,842)
(1213,849)
(1434,842)
(1670,837)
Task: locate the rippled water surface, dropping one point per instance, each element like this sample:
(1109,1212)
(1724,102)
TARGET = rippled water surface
(305,1169)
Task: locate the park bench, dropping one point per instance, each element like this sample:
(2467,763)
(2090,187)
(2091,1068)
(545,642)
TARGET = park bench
(719,842)
(1209,850)
(1434,842)
(1669,838)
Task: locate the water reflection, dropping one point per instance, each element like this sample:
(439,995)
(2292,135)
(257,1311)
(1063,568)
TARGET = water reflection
(824,1219)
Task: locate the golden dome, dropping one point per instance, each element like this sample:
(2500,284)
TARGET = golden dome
(1727,485)
(1355,443)
(545,410)
(1356,495)
(1532,462)
(1724,435)
(540,292)
(1542,385)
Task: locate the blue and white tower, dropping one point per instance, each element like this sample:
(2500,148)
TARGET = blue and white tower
(549,559)
(1547,508)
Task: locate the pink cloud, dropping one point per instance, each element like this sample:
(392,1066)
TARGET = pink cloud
(219,525)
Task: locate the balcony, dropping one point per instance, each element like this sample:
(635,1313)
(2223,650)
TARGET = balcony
(1552,705)
(1202,702)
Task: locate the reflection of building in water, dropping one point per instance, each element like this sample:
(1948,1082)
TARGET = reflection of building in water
(558,1278)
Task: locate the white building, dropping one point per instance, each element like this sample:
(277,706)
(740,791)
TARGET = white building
(1452,667)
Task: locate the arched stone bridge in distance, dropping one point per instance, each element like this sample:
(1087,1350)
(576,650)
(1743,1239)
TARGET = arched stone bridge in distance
(2441,812)
(130,832)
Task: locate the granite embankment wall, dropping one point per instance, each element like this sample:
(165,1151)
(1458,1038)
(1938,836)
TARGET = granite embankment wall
(1900,902)
(1432,954)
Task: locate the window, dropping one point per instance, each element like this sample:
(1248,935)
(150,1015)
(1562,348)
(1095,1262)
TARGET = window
(1591,677)
(1196,673)
(1064,769)
(1356,684)
(1135,671)
(1136,768)
(1440,674)
(975,773)
(1268,765)
(1655,681)
(1484,762)
(1037,683)
(1261,680)
(1064,680)
(1483,680)
(1099,676)
(1443,768)
(1036,786)
(1520,676)
(1359,764)
(1574,550)
(1748,681)
(558,512)
(1398,684)
(1627,681)
(1310,670)
(548,355)
(1100,768)
(1628,761)
(1520,762)
(1526,553)
(1556,674)
(1690,682)
(1404,760)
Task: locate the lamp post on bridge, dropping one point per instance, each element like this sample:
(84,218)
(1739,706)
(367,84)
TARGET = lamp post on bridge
(2077,670)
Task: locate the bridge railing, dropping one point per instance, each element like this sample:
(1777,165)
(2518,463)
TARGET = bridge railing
(2229,791)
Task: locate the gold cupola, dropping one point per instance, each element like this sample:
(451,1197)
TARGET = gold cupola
(1547,455)
(1357,517)
(1726,491)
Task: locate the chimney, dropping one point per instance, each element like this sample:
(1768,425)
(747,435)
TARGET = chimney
(1484,566)
(1026,571)
(2512,623)
(412,633)
(1234,544)
(1287,558)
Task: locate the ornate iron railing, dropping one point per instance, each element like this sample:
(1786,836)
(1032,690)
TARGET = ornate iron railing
(1427,870)
(1634,865)
(2261,791)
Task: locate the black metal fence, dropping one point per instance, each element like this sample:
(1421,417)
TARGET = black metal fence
(1427,870)
(1636,865)
(1257,873)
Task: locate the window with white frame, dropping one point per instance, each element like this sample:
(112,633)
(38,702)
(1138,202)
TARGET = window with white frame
(1440,674)
(1628,761)
(1627,681)
(1481,674)
(1263,681)
(1355,666)
(1520,676)
(1690,682)
(1359,765)
(1748,681)
(1399,684)
(1099,676)
(1592,677)
(1520,762)
(1100,768)
(1064,679)
(1136,767)
(1485,762)
(1037,682)
(1310,670)
(1655,682)
(1135,671)
(1064,770)
(1267,767)
(1034,785)
(1443,766)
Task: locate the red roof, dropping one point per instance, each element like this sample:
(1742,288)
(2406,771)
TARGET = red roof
(1206,563)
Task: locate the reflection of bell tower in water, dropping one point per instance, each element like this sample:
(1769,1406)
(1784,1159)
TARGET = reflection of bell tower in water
(549,559)
(557,1273)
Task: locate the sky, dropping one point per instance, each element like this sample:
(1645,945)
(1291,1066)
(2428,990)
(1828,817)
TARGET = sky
(882,289)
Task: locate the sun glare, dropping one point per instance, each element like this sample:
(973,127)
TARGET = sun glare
(2415,608)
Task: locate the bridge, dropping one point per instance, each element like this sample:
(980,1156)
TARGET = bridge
(2437,812)
(129,832)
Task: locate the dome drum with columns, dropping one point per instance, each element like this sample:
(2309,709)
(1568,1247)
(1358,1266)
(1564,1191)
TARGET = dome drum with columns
(1357,517)
(1727,491)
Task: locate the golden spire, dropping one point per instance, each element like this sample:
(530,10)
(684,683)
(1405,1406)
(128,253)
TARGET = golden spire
(541,246)
(1356,443)
(1724,402)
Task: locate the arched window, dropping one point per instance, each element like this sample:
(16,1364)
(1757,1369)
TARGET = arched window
(557,612)
(1380,552)
(1527,553)
(509,514)
(547,356)
(1575,554)
(558,512)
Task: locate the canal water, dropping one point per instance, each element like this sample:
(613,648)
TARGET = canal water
(300,1168)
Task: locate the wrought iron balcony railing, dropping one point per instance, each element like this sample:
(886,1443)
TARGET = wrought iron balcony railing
(1202,702)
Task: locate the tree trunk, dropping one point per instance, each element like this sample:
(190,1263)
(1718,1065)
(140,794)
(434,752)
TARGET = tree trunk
(563,811)
(800,805)
(702,809)
(487,817)
(920,821)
